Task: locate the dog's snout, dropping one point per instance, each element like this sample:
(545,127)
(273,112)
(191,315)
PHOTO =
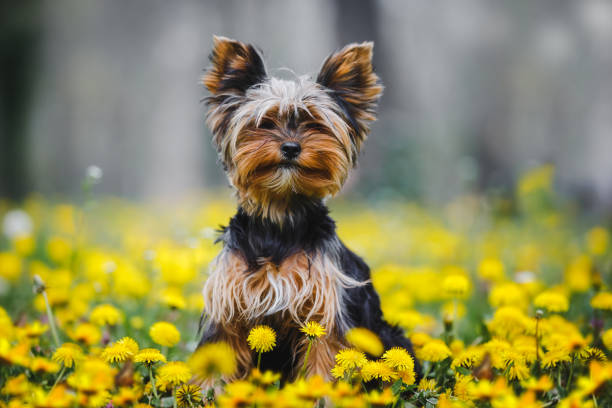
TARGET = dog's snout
(290,150)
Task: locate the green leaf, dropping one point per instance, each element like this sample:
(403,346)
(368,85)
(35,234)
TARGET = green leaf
(396,387)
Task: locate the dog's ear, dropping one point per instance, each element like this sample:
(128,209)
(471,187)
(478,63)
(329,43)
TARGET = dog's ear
(348,73)
(235,67)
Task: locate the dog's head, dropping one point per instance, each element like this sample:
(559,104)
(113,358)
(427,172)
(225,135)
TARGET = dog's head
(279,139)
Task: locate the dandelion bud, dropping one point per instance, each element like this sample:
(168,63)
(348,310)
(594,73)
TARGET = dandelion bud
(39,284)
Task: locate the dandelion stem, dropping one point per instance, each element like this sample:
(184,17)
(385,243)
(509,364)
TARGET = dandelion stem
(306,357)
(59,376)
(537,337)
(259,360)
(153,387)
(174,397)
(571,373)
(51,319)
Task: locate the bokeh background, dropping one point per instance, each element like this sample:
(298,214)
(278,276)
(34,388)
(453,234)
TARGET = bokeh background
(476,92)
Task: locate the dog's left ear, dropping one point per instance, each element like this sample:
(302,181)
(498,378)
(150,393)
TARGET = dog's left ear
(348,73)
(235,67)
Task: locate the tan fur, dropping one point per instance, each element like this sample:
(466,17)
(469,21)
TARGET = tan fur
(341,70)
(299,290)
(322,355)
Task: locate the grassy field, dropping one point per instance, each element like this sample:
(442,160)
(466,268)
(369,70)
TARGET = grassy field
(506,298)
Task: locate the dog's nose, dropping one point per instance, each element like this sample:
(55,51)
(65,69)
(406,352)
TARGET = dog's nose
(290,150)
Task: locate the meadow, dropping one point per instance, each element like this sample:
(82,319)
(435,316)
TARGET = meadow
(506,298)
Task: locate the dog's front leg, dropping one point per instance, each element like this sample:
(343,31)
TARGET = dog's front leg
(236,338)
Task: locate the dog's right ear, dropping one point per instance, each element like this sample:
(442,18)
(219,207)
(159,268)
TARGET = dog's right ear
(235,68)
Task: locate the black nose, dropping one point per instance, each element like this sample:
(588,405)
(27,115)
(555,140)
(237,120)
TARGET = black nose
(290,150)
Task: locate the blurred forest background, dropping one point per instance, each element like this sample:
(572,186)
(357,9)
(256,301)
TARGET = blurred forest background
(477,91)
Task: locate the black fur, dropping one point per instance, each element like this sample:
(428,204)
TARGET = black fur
(239,80)
(311,229)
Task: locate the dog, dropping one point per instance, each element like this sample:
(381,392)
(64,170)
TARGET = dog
(286,146)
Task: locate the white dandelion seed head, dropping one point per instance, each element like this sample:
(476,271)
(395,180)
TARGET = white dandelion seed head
(94,173)
(17,223)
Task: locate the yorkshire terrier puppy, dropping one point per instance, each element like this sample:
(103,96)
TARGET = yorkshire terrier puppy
(287,146)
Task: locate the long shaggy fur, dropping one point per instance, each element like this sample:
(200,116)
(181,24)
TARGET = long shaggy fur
(282,263)
(302,288)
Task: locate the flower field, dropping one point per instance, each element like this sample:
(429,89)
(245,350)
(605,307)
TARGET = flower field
(506,298)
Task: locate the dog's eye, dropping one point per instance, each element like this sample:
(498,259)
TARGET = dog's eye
(266,124)
(315,127)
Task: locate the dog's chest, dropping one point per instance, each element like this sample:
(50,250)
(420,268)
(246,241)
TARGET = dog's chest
(301,288)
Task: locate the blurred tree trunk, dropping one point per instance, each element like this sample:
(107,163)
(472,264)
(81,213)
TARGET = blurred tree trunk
(19,38)
(358,21)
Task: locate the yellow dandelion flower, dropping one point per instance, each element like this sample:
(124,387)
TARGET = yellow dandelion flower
(338,371)
(468,358)
(461,387)
(419,339)
(487,390)
(10,266)
(508,294)
(313,330)
(377,369)
(427,385)
(130,343)
(59,249)
(379,399)
(399,358)
(213,358)
(237,394)
(509,322)
(42,365)
(434,351)
(491,269)
(16,386)
(607,339)
(455,286)
(516,366)
(364,340)
(19,354)
(265,378)
(93,376)
(555,356)
(106,314)
(137,322)
(497,349)
(6,325)
(407,376)
(67,354)
(350,358)
(116,353)
(589,354)
(149,356)
(598,239)
(34,330)
(86,333)
(602,300)
(262,338)
(174,373)
(165,334)
(173,298)
(188,395)
(552,301)
(542,384)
